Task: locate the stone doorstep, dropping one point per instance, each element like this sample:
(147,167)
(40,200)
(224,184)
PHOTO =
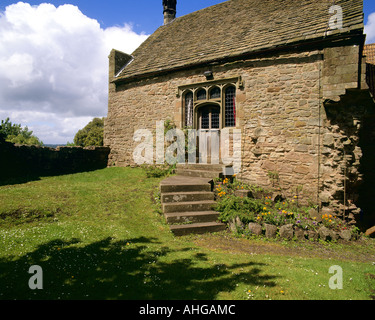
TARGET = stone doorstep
(205,205)
(170,197)
(185,184)
(191,217)
(199,173)
(197,228)
(202,166)
(187,205)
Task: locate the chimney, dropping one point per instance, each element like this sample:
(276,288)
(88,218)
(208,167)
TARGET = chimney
(169,10)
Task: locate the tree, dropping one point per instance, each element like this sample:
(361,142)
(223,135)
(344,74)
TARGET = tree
(16,134)
(91,134)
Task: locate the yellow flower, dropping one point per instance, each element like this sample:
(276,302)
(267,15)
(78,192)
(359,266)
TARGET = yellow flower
(265,208)
(281,291)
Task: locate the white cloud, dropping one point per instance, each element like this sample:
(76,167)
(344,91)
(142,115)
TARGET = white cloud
(54,67)
(370,29)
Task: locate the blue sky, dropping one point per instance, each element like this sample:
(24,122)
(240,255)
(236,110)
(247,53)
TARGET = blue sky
(145,15)
(53,56)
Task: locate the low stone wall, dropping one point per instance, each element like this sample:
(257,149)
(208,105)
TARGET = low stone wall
(18,161)
(289,231)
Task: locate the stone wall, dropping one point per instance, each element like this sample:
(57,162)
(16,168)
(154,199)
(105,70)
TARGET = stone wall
(284,110)
(281,123)
(277,110)
(20,161)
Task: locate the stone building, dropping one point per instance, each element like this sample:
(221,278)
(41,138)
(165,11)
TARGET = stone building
(291,75)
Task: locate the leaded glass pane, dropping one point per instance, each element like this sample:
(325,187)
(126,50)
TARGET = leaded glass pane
(230,107)
(215,120)
(201,94)
(205,124)
(215,93)
(189,109)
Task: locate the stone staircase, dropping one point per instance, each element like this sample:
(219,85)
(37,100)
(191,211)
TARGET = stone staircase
(187,199)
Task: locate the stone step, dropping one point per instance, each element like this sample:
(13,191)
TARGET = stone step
(186,196)
(191,217)
(201,166)
(199,173)
(197,228)
(205,205)
(185,184)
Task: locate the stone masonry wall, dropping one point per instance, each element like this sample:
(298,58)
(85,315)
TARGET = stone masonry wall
(280,110)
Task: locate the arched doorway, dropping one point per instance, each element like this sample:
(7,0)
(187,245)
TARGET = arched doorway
(208,124)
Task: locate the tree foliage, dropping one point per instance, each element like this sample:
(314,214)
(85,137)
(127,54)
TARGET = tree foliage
(16,134)
(91,134)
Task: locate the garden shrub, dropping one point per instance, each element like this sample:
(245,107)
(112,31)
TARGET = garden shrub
(231,207)
(264,210)
(157,171)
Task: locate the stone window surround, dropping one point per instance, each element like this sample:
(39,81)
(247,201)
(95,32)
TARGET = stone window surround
(208,86)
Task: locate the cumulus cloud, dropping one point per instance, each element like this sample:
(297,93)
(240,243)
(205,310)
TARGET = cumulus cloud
(54,67)
(370,28)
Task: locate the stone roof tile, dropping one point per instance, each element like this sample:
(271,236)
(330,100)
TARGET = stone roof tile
(369,52)
(237,27)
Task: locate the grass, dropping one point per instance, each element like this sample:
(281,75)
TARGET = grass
(99,235)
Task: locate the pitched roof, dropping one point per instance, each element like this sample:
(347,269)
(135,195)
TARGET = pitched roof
(237,27)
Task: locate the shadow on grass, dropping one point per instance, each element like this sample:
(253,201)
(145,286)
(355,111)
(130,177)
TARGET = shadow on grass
(128,269)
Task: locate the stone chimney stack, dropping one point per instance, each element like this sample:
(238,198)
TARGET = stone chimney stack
(169,10)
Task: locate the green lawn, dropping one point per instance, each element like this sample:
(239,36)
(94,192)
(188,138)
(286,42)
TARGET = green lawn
(99,235)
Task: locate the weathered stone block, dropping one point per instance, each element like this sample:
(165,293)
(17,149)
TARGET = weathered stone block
(255,228)
(370,232)
(235,224)
(300,234)
(312,235)
(346,235)
(286,231)
(243,193)
(270,230)
(314,214)
(328,140)
(324,233)
(334,235)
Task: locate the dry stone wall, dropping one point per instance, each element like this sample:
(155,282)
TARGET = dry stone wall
(21,161)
